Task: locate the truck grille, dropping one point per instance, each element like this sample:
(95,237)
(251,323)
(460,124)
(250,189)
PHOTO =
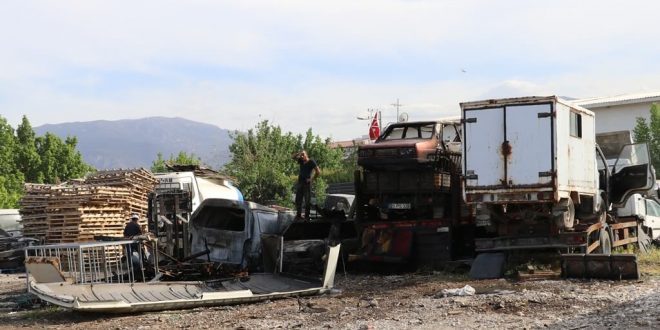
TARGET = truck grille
(406,181)
(387,152)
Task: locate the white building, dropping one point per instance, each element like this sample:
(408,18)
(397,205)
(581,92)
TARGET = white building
(619,113)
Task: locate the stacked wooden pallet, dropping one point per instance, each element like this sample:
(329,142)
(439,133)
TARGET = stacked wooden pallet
(78,211)
(33,210)
(139,182)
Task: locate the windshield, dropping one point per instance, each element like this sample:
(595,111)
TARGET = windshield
(413,131)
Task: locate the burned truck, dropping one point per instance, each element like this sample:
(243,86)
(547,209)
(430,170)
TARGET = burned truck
(232,232)
(409,205)
(538,180)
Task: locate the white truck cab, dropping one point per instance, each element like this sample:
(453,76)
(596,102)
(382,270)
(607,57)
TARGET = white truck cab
(200,187)
(646,209)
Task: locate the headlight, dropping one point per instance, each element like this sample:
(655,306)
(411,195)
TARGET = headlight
(407,152)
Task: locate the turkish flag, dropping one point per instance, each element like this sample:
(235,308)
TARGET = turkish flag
(374,129)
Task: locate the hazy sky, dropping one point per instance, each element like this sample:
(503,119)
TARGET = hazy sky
(316,64)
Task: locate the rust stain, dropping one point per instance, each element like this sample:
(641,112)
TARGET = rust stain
(506,149)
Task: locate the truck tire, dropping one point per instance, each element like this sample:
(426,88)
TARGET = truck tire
(567,219)
(605,242)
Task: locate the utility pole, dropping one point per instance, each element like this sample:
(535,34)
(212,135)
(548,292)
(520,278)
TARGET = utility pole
(397,105)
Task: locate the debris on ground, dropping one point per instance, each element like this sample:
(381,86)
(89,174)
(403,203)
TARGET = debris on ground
(408,303)
(464,291)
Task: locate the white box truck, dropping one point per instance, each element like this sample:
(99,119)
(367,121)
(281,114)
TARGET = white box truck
(533,170)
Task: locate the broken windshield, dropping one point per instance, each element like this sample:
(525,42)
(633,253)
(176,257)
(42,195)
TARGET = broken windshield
(419,131)
(222,218)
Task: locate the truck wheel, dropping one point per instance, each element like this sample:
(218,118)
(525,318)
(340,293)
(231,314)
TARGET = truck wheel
(605,242)
(567,218)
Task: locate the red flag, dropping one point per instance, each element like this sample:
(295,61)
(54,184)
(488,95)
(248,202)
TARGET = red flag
(374,129)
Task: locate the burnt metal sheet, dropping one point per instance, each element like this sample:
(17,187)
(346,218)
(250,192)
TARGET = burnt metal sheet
(153,296)
(605,266)
(488,265)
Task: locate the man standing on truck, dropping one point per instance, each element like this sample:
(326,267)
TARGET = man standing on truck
(309,170)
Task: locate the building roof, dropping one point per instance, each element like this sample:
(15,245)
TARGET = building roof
(602,102)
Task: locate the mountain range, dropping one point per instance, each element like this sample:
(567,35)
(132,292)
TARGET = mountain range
(132,143)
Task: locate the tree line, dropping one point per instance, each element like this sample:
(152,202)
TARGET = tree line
(261,164)
(264,171)
(25,157)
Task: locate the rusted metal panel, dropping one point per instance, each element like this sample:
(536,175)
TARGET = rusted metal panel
(563,241)
(615,266)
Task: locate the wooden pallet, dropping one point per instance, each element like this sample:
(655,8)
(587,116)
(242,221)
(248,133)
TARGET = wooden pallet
(77,211)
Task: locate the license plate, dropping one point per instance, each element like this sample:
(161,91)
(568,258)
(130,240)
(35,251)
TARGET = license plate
(400,206)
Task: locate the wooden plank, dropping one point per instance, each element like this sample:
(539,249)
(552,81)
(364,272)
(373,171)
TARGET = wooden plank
(624,241)
(593,246)
(617,226)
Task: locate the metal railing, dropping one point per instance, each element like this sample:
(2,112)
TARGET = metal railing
(97,262)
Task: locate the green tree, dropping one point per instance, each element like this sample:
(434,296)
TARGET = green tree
(11,179)
(346,170)
(650,133)
(60,161)
(262,166)
(27,157)
(159,165)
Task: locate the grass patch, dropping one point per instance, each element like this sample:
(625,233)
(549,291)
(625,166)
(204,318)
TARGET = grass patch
(649,263)
(41,313)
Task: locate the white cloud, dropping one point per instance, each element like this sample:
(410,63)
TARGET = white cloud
(307,64)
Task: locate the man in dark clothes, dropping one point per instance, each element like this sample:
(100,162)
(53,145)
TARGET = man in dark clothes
(133,228)
(309,170)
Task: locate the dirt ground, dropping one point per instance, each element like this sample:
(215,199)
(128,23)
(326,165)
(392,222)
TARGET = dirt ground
(384,302)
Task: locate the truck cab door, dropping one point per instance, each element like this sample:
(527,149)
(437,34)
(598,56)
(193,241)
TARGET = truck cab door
(632,173)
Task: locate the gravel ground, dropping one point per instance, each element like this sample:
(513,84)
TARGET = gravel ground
(384,302)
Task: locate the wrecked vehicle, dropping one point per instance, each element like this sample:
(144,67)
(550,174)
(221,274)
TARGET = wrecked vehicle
(236,255)
(539,180)
(410,144)
(11,251)
(231,231)
(305,241)
(178,194)
(98,277)
(223,237)
(409,205)
(12,241)
(10,222)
